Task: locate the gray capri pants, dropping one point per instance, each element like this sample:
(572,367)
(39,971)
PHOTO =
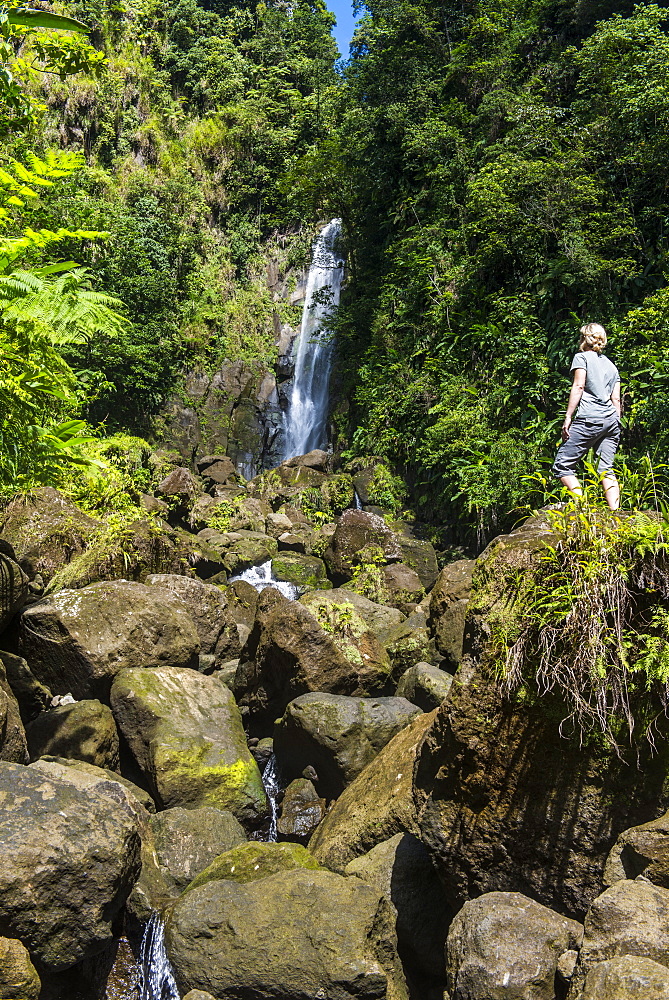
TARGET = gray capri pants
(603,435)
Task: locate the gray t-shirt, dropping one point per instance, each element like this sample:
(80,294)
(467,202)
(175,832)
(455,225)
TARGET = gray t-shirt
(601,376)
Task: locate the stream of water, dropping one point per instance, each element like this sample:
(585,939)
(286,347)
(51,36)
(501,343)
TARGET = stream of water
(270,779)
(156,979)
(261,577)
(305,422)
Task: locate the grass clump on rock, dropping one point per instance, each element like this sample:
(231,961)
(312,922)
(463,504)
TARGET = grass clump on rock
(587,621)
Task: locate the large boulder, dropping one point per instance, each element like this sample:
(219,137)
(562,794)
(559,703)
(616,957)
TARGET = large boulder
(253,861)
(627,978)
(355,531)
(209,608)
(46,531)
(534,811)
(376,806)
(185,733)
(449,601)
(77,640)
(252,548)
(14,589)
(337,735)
(295,934)
(18,975)
(642,850)
(401,869)
(504,946)
(424,685)
(419,556)
(83,731)
(69,856)
(187,841)
(13,746)
(409,643)
(302,570)
(103,774)
(629,918)
(379,618)
(289,653)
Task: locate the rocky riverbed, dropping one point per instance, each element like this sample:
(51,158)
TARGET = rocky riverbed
(432,839)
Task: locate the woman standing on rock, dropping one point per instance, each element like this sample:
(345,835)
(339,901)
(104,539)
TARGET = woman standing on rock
(595,398)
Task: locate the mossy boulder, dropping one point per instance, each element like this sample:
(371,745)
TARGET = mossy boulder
(337,735)
(253,861)
(299,933)
(188,840)
(409,643)
(355,531)
(379,618)
(69,856)
(425,686)
(128,552)
(642,850)
(289,653)
(84,731)
(46,531)
(252,549)
(103,774)
(18,976)
(377,805)
(302,570)
(185,733)
(419,556)
(76,641)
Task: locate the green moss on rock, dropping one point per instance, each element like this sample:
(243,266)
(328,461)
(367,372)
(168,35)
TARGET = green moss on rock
(253,861)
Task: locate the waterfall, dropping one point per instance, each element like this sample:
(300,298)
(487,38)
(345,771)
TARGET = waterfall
(156,979)
(357,501)
(262,577)
(270,779)
(305,422)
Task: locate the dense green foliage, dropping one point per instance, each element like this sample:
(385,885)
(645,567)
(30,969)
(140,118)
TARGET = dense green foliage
(499,170)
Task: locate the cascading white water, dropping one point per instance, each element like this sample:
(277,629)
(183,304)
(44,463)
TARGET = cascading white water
(261,577)
(357,501)
(305,422)
(156,979)
(270,779)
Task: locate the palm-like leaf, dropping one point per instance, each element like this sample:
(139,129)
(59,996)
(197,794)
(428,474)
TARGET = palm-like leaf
(64,307)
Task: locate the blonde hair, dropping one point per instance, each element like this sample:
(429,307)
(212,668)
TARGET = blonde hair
(593,337)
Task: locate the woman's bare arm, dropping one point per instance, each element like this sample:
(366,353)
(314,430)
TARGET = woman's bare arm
(575,394)
(615,399)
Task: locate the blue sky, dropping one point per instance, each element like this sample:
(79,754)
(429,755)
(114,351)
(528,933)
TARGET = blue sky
(343,10)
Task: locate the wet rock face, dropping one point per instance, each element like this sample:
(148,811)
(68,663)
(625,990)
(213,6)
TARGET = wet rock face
(294,934)
(505,803)
(302,809)
(76,641)
(84,731)
(31,696)
(50,832)
(505,945)
(288,654)
(13,746)
(337,735)
(185,733)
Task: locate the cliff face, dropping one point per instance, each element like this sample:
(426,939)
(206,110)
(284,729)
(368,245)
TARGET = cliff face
(505,802)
